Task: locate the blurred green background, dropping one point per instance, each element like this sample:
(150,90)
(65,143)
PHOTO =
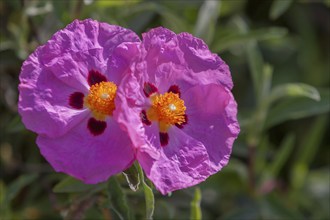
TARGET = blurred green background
(278,52)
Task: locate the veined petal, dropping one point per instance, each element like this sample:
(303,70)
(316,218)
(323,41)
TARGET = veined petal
(183,162)
(82,46)
(44,101)
(90,158)
(212,120)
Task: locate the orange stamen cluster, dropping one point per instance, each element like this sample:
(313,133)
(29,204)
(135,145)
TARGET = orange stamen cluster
(168,109)
(101,99)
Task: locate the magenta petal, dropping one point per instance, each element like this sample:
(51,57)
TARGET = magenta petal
(44,100)
(183,162)
(90,158)
(212,121)
(83,46)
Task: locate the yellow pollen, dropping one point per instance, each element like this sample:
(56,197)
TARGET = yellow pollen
(168,109)
(101,99)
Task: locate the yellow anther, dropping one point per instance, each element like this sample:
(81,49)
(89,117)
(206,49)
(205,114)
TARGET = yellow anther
(101,99)
(168,109)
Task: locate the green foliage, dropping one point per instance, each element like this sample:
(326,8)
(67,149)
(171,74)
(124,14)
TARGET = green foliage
(278,54)
(196,212)
(148,194)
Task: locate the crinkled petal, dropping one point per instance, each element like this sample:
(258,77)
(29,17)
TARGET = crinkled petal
(212,120)
(181,57)
(201,147)
(44,100)
(61,67)
(90,158)
(83,45)
(183,162)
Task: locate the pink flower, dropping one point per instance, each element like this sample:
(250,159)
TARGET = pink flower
(182,120)
(67,95)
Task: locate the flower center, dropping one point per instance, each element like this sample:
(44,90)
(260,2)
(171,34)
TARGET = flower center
(101,99)
(168,109)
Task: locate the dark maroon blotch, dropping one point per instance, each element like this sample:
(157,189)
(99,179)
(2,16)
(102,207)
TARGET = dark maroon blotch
(149,89)
(163,137)
(95,76)
(76,100)
(175,89)
(144,118)
(184,123)
(96,127)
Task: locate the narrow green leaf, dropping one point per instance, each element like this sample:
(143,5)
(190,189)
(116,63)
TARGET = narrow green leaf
(149,196)
(236,39)
(313,139)
(279,7)
(118,200)
(195,205)
(254,57)
(273,207)
(311,143)
(282,155)
(106,4)
(70,185)
(294,90)
(295,108)
(14,188)
(132,177)
(172,21)
(206,20)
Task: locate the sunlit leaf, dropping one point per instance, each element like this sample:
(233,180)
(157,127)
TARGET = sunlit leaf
(195,205)
(132,177)
(295,108)
(148,194)
(70,185)
(206,20)
(117,3)
(294,90)
(279,7)
(237,39)
(118,199)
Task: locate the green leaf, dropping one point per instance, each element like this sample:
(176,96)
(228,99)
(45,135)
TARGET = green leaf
(14,188)
(206,20)
(172,21)
(120,3)
(307,151)
(279,7)
(236,39)
(294,90)
(118,199)
(254,57)
(132,178)
(149,196)
(282,155)
(296,108)
(70,185)
(195,205)
(273,207)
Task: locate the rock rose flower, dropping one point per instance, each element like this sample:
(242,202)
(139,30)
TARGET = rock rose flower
(68,93)
(182,119)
